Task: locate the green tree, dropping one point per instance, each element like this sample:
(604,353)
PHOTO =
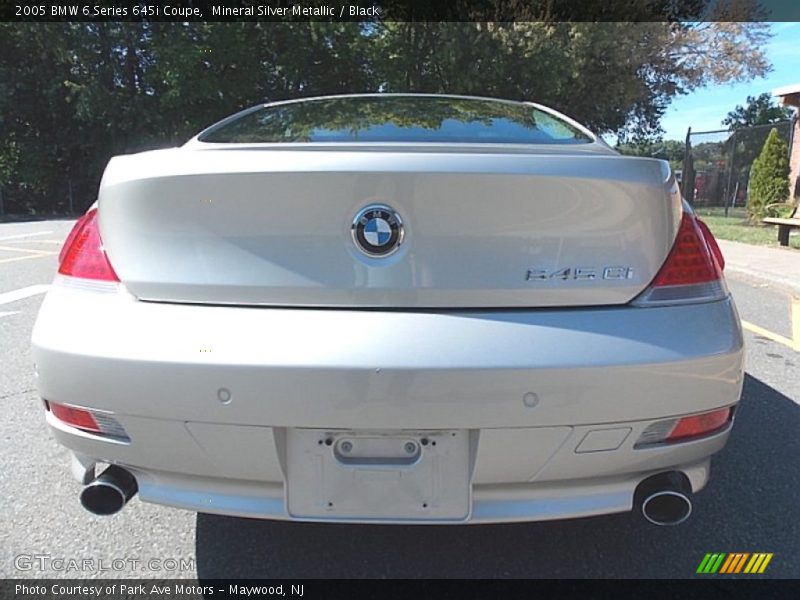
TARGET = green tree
(74,94)
(769,181)
(760,110)
(669,150)
(748,138)
(615,77)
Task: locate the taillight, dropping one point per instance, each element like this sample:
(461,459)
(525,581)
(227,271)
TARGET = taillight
(684,429)
(712,244)
(692,271)
(92,421)
(83,255)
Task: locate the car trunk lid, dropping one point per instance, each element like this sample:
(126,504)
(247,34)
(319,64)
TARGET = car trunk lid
(482,228)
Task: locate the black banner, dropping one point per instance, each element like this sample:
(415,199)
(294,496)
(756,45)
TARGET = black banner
(399,10)
(387,589)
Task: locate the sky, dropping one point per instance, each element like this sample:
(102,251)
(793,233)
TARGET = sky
(704,109)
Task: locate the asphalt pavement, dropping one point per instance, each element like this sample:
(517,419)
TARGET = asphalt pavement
(750,505)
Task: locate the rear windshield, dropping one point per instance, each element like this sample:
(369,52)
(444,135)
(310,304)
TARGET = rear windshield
(412,119)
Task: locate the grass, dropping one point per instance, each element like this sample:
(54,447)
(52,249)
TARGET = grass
(736,227)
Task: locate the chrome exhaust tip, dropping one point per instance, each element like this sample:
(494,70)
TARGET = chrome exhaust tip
(665,499)
(108,493)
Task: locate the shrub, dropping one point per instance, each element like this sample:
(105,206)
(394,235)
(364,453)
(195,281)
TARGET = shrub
(769,182)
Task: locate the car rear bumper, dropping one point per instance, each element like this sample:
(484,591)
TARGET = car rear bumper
(554,399)
(491,503)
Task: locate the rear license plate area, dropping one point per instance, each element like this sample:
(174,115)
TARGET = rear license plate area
(382,475)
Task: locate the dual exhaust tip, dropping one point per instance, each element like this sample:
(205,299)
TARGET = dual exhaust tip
(110,492)
(664,499)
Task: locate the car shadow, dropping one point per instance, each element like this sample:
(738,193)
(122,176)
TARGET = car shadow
(750,505)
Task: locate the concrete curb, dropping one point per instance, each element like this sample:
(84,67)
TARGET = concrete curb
(775,265)
(793,286)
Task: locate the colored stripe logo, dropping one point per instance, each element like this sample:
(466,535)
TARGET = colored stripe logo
(734,562)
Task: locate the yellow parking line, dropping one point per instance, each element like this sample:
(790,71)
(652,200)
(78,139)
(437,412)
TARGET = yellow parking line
(769,335)
(26,250)
(794,316)
(25,235)
(36,242)
(28,257)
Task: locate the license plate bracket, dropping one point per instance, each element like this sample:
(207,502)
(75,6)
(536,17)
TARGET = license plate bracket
(378,475)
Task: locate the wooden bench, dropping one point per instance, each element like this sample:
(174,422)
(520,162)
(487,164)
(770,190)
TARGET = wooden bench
(785,226)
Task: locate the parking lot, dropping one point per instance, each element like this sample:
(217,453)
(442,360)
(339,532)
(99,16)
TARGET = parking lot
(750,505)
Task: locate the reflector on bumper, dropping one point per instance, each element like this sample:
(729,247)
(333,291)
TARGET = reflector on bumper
(685,428)
(92,421)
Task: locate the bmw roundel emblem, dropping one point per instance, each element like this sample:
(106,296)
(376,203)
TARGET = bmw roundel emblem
(377,230)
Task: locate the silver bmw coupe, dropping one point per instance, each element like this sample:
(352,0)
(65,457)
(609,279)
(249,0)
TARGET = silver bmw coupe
(391,309)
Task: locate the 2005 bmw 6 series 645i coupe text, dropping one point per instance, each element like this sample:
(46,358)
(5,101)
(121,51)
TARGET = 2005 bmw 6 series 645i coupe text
(391,309)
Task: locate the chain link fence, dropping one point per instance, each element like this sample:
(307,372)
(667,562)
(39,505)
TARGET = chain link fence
(719,162)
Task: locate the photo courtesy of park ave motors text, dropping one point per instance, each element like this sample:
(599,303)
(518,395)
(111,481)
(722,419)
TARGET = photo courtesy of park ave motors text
(292,297)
